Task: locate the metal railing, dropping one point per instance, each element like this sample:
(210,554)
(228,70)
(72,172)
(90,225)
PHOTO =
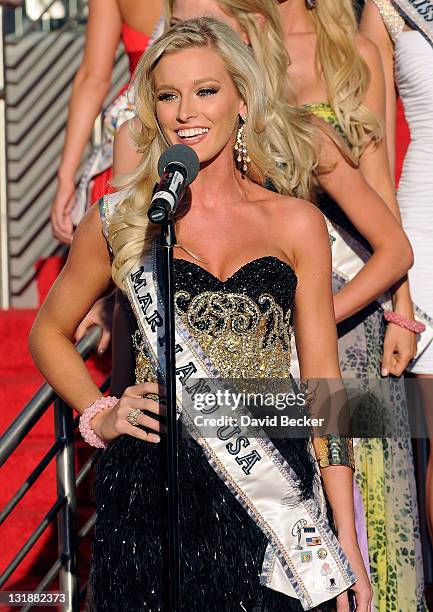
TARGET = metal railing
(64,508)
(23,22)
(4,222)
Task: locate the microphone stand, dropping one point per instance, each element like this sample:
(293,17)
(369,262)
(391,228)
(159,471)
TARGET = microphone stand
(168,240)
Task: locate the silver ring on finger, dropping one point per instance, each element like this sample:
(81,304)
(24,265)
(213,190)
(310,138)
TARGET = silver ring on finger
(132,416)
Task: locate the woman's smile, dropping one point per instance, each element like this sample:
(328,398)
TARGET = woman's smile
(192,135)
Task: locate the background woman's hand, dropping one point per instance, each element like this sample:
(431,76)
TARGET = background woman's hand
(112,423)
(399,348)
(101,314)
(361,589)
(61,222)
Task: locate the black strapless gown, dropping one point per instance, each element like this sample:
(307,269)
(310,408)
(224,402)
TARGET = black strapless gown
(244,324)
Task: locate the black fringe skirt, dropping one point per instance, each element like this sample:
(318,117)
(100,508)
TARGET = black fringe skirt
(221,547)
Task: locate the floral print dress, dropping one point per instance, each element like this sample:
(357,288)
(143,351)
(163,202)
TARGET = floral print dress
(384,466)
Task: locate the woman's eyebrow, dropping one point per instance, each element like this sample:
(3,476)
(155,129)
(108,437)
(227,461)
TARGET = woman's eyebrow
(206,80)
(196,82)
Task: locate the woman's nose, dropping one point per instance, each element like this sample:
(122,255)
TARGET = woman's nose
(186,110)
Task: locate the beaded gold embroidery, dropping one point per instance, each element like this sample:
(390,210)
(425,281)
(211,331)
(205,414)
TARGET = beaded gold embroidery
(143,368)
(240,338)
(244,339)
(391,18)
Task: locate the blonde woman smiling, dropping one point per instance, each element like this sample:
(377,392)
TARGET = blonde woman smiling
(233,528)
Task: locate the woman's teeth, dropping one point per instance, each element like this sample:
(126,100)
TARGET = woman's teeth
(192,132)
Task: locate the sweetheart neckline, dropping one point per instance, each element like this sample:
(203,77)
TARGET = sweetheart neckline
(239,270)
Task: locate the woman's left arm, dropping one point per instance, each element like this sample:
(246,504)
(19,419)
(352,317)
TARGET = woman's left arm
(373,27)
(316,342)
(399,344)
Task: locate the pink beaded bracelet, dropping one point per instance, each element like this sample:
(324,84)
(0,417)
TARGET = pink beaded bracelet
(414,326)
(84,426)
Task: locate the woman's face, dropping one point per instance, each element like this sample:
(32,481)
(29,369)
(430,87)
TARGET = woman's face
(197,103)
(191,9)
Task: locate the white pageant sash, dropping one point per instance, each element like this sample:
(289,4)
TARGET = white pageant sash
(419,14)
(303,559)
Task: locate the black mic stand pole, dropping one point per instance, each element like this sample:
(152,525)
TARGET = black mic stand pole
(168,240)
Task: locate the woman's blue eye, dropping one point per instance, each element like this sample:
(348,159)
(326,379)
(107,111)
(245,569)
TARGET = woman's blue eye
(208,91)
(164,97)
(168,97)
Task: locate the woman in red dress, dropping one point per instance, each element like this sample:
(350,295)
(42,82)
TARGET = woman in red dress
(134,22)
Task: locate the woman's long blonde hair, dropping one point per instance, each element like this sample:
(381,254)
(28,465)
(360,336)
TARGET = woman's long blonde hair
(344,72)
(129,230)
(292,133)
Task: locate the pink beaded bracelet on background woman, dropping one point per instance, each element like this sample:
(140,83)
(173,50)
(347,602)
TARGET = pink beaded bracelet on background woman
(102,403)
(414,326)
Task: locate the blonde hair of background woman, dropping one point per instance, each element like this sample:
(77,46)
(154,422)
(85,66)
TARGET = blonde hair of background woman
(344,72)
(292,133)
(130,232)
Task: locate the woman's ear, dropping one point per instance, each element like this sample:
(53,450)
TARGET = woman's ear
(243,111)
(261,21)
(244,37)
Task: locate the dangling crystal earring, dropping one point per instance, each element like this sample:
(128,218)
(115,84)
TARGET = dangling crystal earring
(311,4)
(242,156)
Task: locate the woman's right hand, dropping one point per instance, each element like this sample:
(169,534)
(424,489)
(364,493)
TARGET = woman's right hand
(61,222)
(361,590)
(112,423)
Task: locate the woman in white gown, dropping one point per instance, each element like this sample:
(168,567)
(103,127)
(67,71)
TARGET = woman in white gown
(403,33)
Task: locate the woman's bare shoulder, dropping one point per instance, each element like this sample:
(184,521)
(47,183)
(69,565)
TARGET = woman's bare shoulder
(299,228)
(303,214)
(294,216)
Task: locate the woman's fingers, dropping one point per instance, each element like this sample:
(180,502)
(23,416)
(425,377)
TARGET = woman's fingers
(147,436)
(126,404)
(122,426)
(144,389)
(61,233)
(132,400)
(61,220)
(104,343)
(343,602)
(387,357)
(84,327)
(363,597)
(400,363)
(150,423)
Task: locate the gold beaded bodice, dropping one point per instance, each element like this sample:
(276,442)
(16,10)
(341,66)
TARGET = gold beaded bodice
(242,324)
